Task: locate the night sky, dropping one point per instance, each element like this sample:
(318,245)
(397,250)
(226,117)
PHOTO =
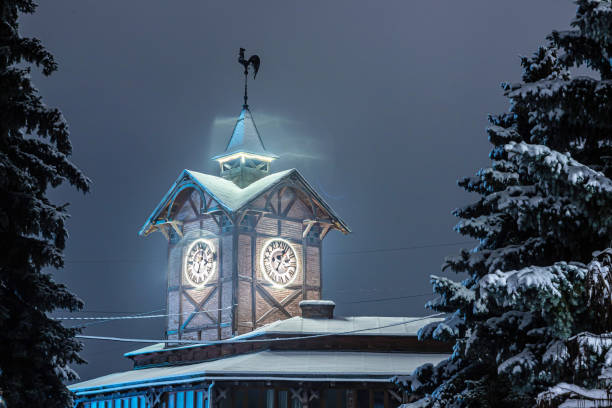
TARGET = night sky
(382,109)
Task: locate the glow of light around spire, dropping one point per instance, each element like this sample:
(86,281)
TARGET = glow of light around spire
(243,156)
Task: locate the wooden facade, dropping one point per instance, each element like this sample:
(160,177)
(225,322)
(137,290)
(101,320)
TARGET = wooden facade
(357,370)
(262,394)
(237,298)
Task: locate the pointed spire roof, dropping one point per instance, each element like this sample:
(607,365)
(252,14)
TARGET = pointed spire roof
(245,138)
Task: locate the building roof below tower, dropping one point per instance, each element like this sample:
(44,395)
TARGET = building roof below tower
(267,365)
(352,325)
(299,326)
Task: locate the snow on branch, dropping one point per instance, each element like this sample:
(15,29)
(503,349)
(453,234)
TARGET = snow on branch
(560,166)
(599,285)
(508,287)
(452,327)
(548,291)
(564,395)
(454,295)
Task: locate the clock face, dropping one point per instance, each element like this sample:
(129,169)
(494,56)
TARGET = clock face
(200,262)
(279,262)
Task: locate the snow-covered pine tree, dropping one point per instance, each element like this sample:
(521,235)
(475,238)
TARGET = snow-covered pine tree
(528,319)
(35,350)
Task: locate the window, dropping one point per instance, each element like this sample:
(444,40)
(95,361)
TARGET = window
(270,394)
(282,399)
(334,398)
(200,399)
(253,397)
(379,399)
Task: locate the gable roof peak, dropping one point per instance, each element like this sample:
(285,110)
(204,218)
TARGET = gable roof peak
(233,199)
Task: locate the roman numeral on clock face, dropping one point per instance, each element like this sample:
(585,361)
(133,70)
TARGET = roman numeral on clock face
(200,262)
(279,262)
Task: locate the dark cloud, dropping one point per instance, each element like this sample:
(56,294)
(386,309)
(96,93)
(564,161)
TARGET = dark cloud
(382,105)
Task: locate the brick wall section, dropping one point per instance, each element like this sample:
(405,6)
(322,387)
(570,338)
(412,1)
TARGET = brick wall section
(291,230)
(226,285)
(268,226)
(248,266)
(194,227)
(244,308)
(314,269)
(299,210)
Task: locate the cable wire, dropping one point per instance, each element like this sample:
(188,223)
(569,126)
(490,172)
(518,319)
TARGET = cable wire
(388,298)
(408,248)
(145,315)
(142,316)
(117,311)
(355,252)
(256,340)
(85,325)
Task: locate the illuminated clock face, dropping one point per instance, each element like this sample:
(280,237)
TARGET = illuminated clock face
(279,262)
(200,263)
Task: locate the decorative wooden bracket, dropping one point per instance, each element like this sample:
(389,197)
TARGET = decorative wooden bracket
(163,224)
(324,231)
(326,226)
(309,224)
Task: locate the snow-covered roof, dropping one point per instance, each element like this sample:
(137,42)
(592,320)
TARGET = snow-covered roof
(233,198)
(317,303)
(353,325)
(245,138)
(229,194)
(300,326)
(272,365)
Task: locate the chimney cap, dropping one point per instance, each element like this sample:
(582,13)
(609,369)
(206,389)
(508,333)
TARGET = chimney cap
(321,309)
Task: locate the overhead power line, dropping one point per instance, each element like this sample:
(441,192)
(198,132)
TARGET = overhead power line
(118,311)
(354,252)
(146,315)
(141,316)
(123,339)
(85,325)
(389,298)
(407,248)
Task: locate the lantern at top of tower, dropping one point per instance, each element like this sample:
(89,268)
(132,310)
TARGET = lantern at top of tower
(245,158)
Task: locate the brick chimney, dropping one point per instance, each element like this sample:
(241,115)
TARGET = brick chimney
(317,309)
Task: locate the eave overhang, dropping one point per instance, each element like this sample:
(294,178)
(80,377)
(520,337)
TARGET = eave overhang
(231,199)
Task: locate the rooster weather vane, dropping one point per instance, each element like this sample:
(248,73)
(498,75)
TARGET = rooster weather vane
(254,62)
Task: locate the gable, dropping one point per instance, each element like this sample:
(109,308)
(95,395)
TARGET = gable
(221,195)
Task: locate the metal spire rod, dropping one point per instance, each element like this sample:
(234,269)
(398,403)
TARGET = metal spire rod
(253,61)
(246,97)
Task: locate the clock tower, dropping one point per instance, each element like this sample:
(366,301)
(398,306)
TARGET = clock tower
(244,247)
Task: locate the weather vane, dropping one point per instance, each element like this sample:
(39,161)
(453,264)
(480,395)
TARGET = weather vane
(253,61)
